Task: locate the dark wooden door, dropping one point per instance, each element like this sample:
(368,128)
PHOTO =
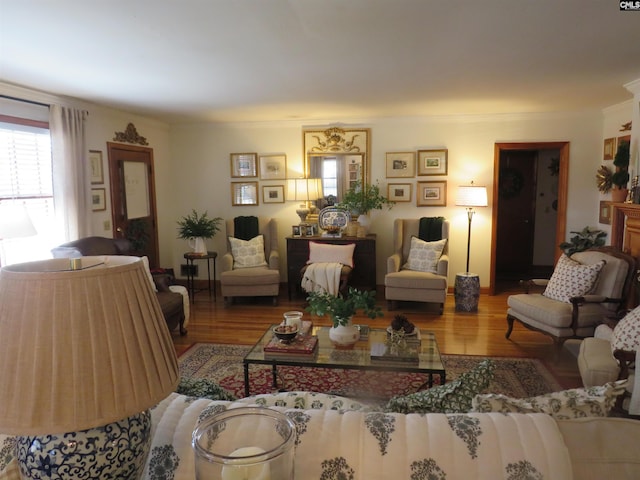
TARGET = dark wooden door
(133,198)
(516,215)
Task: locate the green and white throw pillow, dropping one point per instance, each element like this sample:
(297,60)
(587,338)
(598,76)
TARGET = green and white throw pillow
(574,403)
(572,279)
(248,253)
(454,397)
(424,256)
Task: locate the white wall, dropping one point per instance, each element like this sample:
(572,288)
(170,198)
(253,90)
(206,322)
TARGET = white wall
(201,171)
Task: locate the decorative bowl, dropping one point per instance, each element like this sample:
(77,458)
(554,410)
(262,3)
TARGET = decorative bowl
(285,333)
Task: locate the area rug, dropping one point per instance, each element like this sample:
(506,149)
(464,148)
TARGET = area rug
(516,377)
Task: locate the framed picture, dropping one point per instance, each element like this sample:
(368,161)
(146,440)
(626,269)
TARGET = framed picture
(399,192)
(244,165)
(308,230)
(605,212)
(431,194)
(98,199)
(95,162)
(609,148)
(432,162)
(273,167)
(244,193)
(273,194)
(401,165)
(295,231)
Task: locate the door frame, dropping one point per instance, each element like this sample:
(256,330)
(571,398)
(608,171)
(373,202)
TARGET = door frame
(563,181)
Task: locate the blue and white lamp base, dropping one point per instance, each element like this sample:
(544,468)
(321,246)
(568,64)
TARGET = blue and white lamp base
(115,451)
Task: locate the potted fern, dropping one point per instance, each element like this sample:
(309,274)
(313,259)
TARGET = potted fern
(196,228)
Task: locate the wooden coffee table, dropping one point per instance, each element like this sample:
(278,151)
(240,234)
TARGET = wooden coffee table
(358,358)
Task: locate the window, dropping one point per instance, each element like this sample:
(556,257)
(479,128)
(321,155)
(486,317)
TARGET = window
(26,180)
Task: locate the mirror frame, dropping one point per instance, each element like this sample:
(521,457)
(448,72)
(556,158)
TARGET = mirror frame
(337,141)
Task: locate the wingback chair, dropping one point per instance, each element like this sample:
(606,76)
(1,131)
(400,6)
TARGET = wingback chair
(404,284)
(583,290)
(260,275)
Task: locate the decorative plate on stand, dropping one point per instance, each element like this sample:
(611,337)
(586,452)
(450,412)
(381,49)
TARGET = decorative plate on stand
(333,220)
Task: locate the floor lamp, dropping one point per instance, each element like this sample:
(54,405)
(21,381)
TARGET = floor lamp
(467,289)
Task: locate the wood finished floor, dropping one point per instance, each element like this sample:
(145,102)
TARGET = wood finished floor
(479,333)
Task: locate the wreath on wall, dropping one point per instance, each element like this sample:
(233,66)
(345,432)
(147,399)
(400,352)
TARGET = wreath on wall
(511,182)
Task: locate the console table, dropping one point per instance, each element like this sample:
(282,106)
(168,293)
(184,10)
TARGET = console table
(364,260)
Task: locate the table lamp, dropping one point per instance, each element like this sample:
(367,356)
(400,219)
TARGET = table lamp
(305,190)
(470,196)
(84,350)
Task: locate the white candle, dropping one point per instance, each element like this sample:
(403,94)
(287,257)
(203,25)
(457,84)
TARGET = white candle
(239,470)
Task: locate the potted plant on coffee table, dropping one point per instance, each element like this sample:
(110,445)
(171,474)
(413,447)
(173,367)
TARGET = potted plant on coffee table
(341,309)
(196,228)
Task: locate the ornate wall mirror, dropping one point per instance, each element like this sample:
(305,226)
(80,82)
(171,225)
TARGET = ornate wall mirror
(339,156)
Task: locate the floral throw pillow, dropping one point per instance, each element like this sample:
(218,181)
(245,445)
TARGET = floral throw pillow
(574,403)
(572,279)
(626,333)
(424,256)
(454,397)
(248,253)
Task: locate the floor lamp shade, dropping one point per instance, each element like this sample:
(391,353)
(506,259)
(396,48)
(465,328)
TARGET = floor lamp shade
(80,348)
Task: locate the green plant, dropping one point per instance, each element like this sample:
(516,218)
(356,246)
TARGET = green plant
(195,225)
(582,240)
(341,308)
(620,177)
(362,199)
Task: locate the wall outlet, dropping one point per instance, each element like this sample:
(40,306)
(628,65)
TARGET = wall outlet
(106,225)
(186,270)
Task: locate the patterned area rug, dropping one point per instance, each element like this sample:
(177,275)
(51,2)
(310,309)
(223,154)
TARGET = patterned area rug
(516,377)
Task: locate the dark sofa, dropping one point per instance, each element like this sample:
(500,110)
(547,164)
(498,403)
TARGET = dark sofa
(171,303)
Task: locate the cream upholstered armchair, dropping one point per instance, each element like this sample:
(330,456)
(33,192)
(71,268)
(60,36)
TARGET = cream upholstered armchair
(250,267)
(414,281)
(583,290)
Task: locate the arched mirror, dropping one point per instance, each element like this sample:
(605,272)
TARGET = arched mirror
(340,157)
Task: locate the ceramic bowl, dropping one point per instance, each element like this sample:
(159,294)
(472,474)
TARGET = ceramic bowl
(285,333)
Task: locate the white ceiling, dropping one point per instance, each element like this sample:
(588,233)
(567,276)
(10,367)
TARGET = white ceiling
(255,60)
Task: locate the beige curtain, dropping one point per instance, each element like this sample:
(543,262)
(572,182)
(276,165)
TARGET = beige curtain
(71,175)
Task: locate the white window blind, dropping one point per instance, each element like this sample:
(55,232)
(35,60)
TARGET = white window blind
(26,179)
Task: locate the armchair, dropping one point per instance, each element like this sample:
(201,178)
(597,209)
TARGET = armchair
(583,290)
(404,284)
(256,274)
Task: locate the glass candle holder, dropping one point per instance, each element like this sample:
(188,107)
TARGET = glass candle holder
(247,443)
(294,318)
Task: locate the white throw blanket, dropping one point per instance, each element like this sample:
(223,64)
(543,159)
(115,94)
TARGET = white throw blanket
(322,277)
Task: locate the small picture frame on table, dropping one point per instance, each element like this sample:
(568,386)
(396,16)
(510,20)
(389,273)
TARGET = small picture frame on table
(244,193)
(432,162)
(244,165)
(98,199)
(296,231)
(273,167)
(401,164)
(399,192)
(308,231)
(273,194)
(431,194)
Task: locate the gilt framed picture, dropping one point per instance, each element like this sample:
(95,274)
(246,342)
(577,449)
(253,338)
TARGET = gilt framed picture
(273,194)
(244,193)
(401,165)
(432,162)
(431,194)
(399,192)
(244,165)
(609,148)
(95,162)
(273,167)
(98,199)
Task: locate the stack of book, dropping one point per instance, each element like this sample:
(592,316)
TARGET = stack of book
(300,347)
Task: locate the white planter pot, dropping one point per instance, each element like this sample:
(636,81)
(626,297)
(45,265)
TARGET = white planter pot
(344,336)
(198,245)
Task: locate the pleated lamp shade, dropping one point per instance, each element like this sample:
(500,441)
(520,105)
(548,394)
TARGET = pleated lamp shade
(80,348)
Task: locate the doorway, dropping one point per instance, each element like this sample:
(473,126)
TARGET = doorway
(529,210)
(133,198)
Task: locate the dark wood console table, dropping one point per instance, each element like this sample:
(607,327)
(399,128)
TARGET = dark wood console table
(364,260)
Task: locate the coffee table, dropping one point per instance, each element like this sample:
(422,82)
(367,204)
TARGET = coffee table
(358,358)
